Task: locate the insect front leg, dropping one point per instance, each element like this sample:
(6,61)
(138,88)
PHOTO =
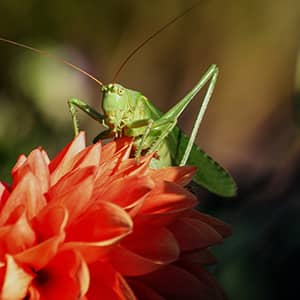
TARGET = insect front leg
(74,103)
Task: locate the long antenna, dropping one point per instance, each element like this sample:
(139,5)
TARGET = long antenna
(52,56)
(154,34)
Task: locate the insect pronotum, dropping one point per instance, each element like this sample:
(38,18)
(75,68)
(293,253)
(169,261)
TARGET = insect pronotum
(127,112)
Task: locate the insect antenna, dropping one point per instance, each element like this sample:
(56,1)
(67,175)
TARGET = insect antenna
(154,34)
(52,56)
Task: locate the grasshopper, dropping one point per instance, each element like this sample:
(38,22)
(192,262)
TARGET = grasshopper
(127,112)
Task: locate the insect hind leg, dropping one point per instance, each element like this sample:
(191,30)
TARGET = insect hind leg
(169,125)
(214,74)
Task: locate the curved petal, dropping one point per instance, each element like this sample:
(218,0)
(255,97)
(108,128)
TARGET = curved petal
(193,234)
(139,254)
(4,194)
(119,147)
(132,167)
(213,289)
(90,156)
(98,230)
(51,221)
(108,283)
(66,276)
(20,161)
(16,281)
(63,162)
(38,166)
(221,227)
(107,222)
(73,191)
(20,236)
(38,256)
(28,194)
(177,283)
(179,175)
(168,197)
(143,291)
(112,156)
(125,192)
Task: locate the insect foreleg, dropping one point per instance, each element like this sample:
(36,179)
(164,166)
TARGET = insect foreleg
(73,103)
(200,116)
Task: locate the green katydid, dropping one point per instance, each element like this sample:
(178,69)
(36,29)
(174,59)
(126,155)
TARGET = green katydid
(129,113)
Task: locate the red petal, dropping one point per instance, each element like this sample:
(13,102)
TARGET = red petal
(37,165)
(66,277)
(143,291)
(20,162)
(39,168)
(112,156)
(98,230)
(90,156)
(4,194)
(73,191)
(131,167)
(16,281)
(20,236)
(39,256)
(62,163)
(213,290)
(121,146)
(140,254)
(109,167)
(108,283)
(176,283)
(180,175)
(168,197)
(50,222)
(45,156)
(220,226)
(28,194)
(126,192)
(193,234)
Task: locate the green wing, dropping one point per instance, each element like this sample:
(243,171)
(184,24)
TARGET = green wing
(210,174)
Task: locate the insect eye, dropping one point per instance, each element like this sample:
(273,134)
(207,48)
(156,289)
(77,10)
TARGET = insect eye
(120,91)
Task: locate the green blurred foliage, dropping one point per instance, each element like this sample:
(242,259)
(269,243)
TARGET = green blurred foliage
(249,126)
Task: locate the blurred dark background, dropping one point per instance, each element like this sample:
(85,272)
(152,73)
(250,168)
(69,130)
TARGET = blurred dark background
(250,126)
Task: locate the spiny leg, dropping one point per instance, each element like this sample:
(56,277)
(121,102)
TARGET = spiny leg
(174,112)
(140,128)
(163,125)
(168,128)
(73,103)
(213,74)
(143,139)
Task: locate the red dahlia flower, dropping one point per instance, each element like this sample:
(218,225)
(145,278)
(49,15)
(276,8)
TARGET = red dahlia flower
(93,224)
